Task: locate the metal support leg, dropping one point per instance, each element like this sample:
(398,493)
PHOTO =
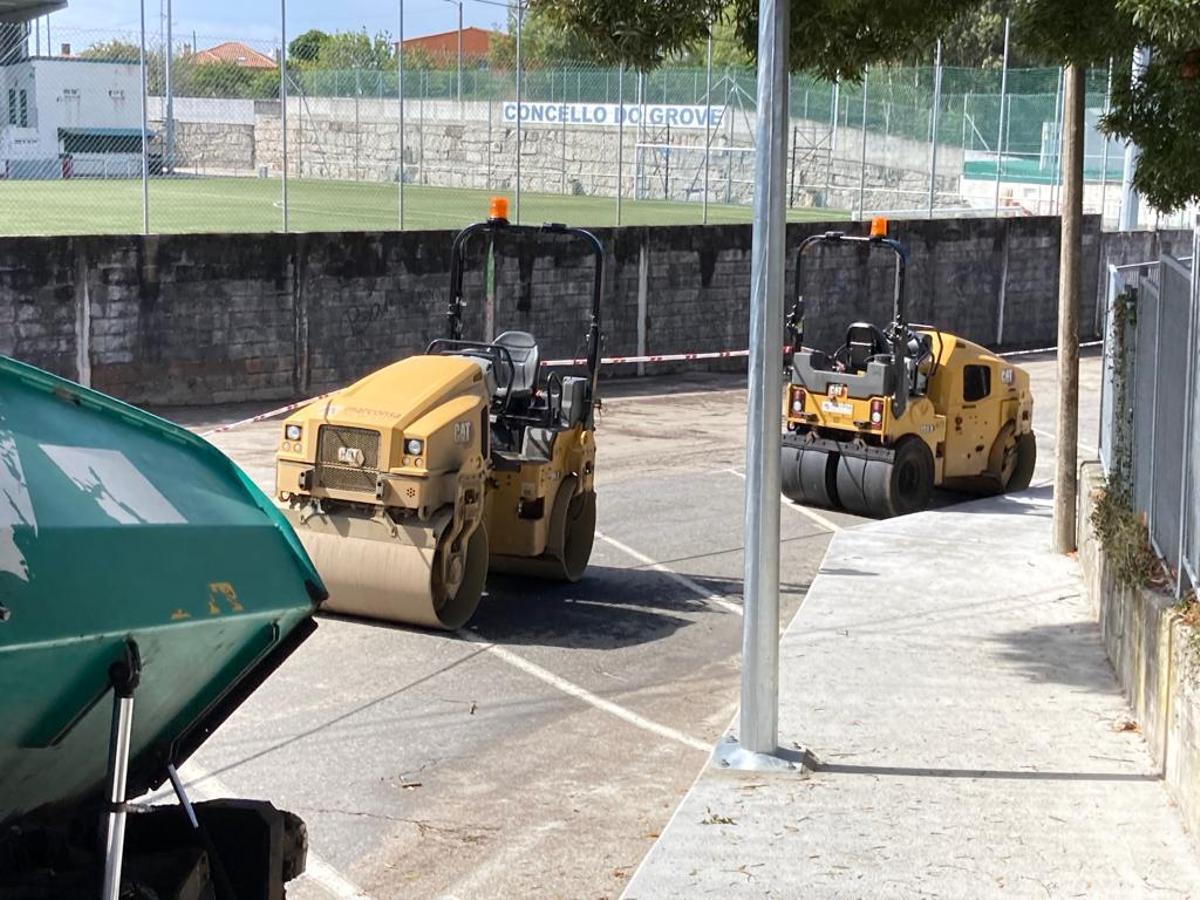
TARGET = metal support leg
(124,675)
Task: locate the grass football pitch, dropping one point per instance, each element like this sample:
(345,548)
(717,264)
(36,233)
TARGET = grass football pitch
(93,206)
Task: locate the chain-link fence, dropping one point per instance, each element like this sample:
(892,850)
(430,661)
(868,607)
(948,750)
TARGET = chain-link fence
(1151,403)
(110,132)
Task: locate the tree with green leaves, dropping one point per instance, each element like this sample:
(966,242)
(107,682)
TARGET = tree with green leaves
(357,50)
(543,43)
(113,51)
(305,49)
(1160,112)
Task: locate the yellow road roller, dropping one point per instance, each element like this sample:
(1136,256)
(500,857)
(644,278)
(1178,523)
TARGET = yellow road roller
(894,412)
(409,485)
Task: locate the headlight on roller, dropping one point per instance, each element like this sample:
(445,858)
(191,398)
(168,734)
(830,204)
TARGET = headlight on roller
(414,446)
(292,432)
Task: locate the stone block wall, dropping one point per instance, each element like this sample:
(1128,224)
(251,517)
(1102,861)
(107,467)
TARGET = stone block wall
(472,147)
(211,148)
(195,319)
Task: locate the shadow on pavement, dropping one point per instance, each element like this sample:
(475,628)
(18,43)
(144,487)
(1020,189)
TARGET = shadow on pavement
(608,608)
(1067,653)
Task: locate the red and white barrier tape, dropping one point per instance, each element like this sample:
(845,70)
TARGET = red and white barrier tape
(730,354)
(1082,346)
(263,416)
(665,357)
(606,361)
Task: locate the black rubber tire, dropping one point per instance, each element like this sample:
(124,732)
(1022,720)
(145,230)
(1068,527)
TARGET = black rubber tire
(880,489)
(1026,462)
(810,476)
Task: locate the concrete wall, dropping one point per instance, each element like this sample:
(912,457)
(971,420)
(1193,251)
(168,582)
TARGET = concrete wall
(184,319)
(473,146)
(1154,654)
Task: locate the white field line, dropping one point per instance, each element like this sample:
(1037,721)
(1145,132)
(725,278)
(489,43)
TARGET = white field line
(320,872)
(688,583)
(573,690)
(812,514)
(201,785)
(1086,448)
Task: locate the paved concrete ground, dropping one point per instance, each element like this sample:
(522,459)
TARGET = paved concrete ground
(969,734)
(542,751)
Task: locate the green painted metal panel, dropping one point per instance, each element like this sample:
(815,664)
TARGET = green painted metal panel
(118,525)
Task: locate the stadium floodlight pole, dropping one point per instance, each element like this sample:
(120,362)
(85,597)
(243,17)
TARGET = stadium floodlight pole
(620,135)
(283,104)
(460,54)
(862,162)
(707,117)
(758,731)
(1104,162)
(170,97)
(1128,219)
(145,124)
(400,98)
(517,192)
(933,126)
(1000,117)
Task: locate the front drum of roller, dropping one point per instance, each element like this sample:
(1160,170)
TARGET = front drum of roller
(377,574)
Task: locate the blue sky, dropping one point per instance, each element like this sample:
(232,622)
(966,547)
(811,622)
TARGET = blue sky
(257,21)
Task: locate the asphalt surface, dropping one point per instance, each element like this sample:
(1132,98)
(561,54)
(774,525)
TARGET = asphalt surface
(541,750)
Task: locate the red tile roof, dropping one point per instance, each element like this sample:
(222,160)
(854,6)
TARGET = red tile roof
(237,53)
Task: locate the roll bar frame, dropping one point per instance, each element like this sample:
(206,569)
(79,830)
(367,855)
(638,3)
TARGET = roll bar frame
(899,326)
(497,226)
(795,322)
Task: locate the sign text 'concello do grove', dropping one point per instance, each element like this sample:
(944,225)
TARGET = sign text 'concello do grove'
(655,116)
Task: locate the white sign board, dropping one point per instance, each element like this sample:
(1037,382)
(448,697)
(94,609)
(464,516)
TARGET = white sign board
(610,114)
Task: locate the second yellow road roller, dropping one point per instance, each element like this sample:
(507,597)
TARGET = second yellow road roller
(409,485)
(874,426)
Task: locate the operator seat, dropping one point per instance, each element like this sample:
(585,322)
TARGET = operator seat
(523,349)
(863,342)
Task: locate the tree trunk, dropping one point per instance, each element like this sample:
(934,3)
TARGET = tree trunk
(1066,461)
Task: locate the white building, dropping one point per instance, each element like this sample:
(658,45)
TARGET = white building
(70,118)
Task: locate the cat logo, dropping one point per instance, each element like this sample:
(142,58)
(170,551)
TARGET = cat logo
(350,456)
(462,432)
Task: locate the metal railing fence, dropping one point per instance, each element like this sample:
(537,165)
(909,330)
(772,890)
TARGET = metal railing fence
(1149,439)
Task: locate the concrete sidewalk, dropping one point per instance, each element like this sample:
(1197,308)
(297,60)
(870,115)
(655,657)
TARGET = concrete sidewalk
(970,736)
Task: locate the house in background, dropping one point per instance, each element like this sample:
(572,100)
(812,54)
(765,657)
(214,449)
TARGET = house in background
(476,43)
(237,53)
(67,117)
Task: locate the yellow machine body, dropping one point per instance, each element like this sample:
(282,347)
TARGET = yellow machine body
(961,433)
(894,412)
(393,529)
(974,417)
(407,486)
